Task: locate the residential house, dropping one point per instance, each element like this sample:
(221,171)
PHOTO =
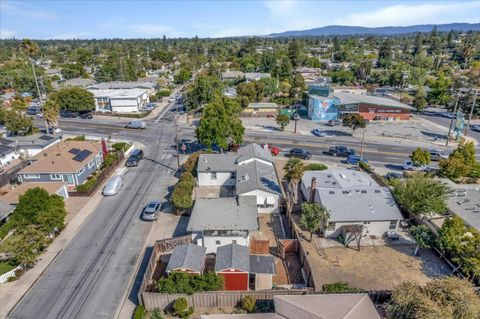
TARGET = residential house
(232,75)
(216,222)
(240,270)
(255,76)
(80,82)
(31,144)
(188,258)
(464,201)
(352,198)
(260,109)
(9,153)
(120,100)
(323,306)
(230,92)
(69,161)
(54,72)
(150,87)
(5,210)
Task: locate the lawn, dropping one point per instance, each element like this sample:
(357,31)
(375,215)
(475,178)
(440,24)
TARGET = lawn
(5,267)
(8,242)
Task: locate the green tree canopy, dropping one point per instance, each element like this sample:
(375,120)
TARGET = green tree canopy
(282,120)
(461,162)
(314,217)
(75,99)
(354,121)
(421,156)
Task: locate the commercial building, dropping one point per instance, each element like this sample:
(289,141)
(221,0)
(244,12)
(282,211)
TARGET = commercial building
(352,198)
(120,100)
(149,86)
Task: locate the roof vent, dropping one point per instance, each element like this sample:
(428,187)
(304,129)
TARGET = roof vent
(204,159)
(377,191)
(331,192)
(45,154)
(346,192)
(364,191)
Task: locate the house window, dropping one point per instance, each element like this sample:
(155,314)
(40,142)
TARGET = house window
(91,164)
(81,171)
(217,242)
(213,176)
(57,177)
(331,226)
(393,224)
(32,176)
(234,241)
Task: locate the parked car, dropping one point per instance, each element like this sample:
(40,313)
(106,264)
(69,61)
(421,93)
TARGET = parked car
(134,158)
(33,110)
(475,128)
(113,185)
(273,149)
(342,151)
(52,130)
(410,166)
(298,152)
(355,159)
(437,155)
(449,115)
(136,124)
(171,99)
(333,123)
(393,175)
(68,114)
(150,212)
(86,116)
(318,132)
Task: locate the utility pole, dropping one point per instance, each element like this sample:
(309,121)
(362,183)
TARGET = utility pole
(39,93)
(471,111)
(451,121)
(295,129)
(361,149)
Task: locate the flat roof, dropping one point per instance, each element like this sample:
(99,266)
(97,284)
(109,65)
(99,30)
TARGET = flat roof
(464,201)
(34,140)
(350,98)
(115,85)
(262,105)
(338,178)
(119,93)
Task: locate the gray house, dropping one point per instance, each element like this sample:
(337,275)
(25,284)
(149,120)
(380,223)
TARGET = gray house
(69,161)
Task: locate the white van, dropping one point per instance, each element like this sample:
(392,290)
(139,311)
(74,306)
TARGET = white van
(113,185)
(137,124)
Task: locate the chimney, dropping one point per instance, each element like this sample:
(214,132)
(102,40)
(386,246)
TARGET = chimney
(313,187)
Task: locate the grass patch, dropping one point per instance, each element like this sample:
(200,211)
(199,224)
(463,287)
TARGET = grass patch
(5,267)
(316,167)
(8,243)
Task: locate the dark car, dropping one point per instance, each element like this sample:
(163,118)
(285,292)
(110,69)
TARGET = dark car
(86,116)
(393,175)
(34,110)
(342,151)
(298,152)
(68,114)
(134,158)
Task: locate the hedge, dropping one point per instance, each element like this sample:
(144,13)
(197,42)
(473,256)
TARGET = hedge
(316,167)
(120,146)
(88,185)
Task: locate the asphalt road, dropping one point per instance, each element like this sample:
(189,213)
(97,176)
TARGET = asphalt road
(443,121)
(90,276)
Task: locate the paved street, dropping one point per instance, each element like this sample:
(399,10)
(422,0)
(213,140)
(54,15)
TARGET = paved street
(89,278)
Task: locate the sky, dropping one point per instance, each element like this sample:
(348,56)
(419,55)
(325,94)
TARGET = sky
(87,19)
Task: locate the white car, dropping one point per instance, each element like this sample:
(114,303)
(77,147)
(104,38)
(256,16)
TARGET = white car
(410,166)
(171,99)
(437,155)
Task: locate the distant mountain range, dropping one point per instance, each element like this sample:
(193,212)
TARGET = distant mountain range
(353,30)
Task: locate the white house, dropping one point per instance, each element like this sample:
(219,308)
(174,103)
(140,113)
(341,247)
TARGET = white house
(352,198)
(30,145)
(149,86)
(120,100)
(215,222)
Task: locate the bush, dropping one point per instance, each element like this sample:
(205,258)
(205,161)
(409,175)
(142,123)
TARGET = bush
(163,93)
(179,282)
(339,287)
(316,167)
(88,185)
(181,309)
(76,138)
(109,159)
(190,164)
(365,166)
(248,303)
(120,146)
(156,314)
(139,312)
(187,180)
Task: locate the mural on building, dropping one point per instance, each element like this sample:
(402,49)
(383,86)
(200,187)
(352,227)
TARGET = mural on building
(322,109)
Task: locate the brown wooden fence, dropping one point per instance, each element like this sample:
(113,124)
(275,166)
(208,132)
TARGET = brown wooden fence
(214,299)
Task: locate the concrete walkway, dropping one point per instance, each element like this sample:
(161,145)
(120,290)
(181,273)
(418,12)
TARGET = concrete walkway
(12,292)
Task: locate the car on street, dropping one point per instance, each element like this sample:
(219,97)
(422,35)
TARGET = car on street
(333,123)
(68,114)
(318,132)
(52,130)
(298,152)
(449,115)
(341,151)
(33,110)
(393,175)
(150,212)
(113,186)
(355,159)
(136,124)
(437,155)
(171,99)
(273,149)
(86,116)
(134,159)
(475,127)
(409,165)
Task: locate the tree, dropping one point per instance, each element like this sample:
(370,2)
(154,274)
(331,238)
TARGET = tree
(282,120)
(423,237)
(421,156)
(294,53)
(183,76)
(460,163)
(354,121)
(421,195)
(50,111)
(17,123)
(419,102)
(314,217)
(182,196)
(73,70)
(202,91)
(439,90)
(293,174)
(220,124)
(385,54)
(344,77)
(75,99)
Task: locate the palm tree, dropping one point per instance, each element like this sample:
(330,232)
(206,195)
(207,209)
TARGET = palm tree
(30,49)
(293,174)
(50,112)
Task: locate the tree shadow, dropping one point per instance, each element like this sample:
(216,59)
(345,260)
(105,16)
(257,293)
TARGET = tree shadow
(133,294)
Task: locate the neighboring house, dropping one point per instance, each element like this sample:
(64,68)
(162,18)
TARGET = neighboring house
(260,109)
(13,196)
(464,201)
(240,270)
(188,258)
(150,87)
(5,210)
(54,72)
(232,75)
(250,170)
(70,161)
(323,306)
(9,154)
(352,198)
(230,92)
(255,76)
(81,82)
(215,222)
(120,100)
(32,144)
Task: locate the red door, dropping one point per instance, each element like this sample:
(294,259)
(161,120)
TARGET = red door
(235,281)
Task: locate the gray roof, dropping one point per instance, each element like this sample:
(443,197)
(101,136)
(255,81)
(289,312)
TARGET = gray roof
(359,204)
(270,315)
(325,306)
(217,163)
(122,85)
(233,74)
(254,151)
(6,149)
(338,178)
(464,201)
(257,175)
(256,75)
(188,256)
(33,141)
(224,213)
(262,105)
(262,265)
(350,98)
(232,256)
(82,82)
(5,209)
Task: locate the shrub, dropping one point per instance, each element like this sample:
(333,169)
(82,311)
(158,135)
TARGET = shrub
(316,167)
(163,93)
(120,146)
(77,138)
(88,185)
(190,164)
(365,166)
(179,282)
(156,314)
(182,196)
(248,303)
(109,159)
(181,309)
(187,179)
(339,287)
(139,312)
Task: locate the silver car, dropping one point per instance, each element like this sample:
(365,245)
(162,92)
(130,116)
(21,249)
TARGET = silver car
(150,211)
(437,155)
(113,185)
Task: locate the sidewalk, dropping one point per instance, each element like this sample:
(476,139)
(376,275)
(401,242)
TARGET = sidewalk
(12,292)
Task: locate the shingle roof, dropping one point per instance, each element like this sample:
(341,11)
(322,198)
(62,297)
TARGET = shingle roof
(5,149)
(5,209)
(188,256)
(254,151)
(326,306)
(232,256)
(217,163)
(262,265)
(13,196)
(350,98)
(224,213)
(256,175)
